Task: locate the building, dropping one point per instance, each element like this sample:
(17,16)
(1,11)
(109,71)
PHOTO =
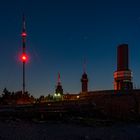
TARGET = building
(123,75)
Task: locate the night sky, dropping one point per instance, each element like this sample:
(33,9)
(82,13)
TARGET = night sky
(61,35)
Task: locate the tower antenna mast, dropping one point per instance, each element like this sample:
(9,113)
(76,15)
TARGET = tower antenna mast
(84,65)
(24,57)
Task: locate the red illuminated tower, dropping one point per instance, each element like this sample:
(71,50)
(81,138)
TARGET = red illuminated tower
(84,80)
(59,89)
(23,56)
(123,75)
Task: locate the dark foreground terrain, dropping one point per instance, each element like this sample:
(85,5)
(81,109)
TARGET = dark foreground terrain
(37,130)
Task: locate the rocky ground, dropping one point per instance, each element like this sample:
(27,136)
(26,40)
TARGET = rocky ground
(25,130)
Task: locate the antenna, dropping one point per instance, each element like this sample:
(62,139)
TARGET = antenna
(58,80)
(84,65)
(23,56)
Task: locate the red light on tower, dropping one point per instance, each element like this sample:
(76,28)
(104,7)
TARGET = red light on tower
(23,34)
(24,57)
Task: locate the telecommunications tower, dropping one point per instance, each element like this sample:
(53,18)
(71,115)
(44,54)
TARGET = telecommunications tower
(23,56)
(123,75)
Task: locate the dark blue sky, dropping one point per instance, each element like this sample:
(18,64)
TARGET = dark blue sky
(61,33)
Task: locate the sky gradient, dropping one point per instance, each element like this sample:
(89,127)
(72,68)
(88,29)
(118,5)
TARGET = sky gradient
(61,34)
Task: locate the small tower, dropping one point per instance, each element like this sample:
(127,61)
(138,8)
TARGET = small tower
(59,89)
(84,81)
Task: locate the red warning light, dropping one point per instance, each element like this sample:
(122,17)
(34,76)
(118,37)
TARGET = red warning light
(24,57)
(23,34)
